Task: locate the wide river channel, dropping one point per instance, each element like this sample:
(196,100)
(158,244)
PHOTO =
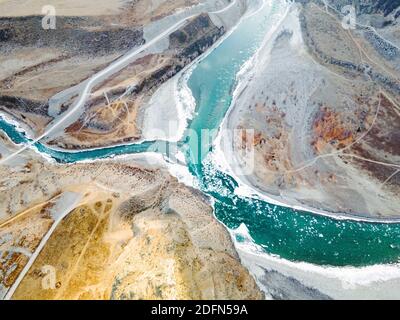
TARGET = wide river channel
(288,233)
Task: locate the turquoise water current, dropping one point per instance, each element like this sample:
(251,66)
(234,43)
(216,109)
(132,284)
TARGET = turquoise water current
(290,234)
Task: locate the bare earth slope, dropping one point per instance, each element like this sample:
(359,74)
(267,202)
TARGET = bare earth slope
(112,230)
(45,70)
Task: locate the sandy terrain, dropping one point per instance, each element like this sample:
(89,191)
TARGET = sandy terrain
(147,9)
(136,233)
(9,8)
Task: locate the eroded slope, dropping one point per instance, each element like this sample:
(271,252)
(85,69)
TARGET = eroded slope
(124,230)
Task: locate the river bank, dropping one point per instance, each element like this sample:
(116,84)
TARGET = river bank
(283,279)
(297,238)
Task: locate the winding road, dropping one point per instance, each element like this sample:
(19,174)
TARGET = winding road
(111,69)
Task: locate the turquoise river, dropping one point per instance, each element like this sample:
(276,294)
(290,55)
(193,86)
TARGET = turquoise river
(290,234)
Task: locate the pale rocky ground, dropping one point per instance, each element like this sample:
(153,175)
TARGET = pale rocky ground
(135,233)
(324,104)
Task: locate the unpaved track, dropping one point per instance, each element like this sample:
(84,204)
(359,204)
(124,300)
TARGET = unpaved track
(111,69)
